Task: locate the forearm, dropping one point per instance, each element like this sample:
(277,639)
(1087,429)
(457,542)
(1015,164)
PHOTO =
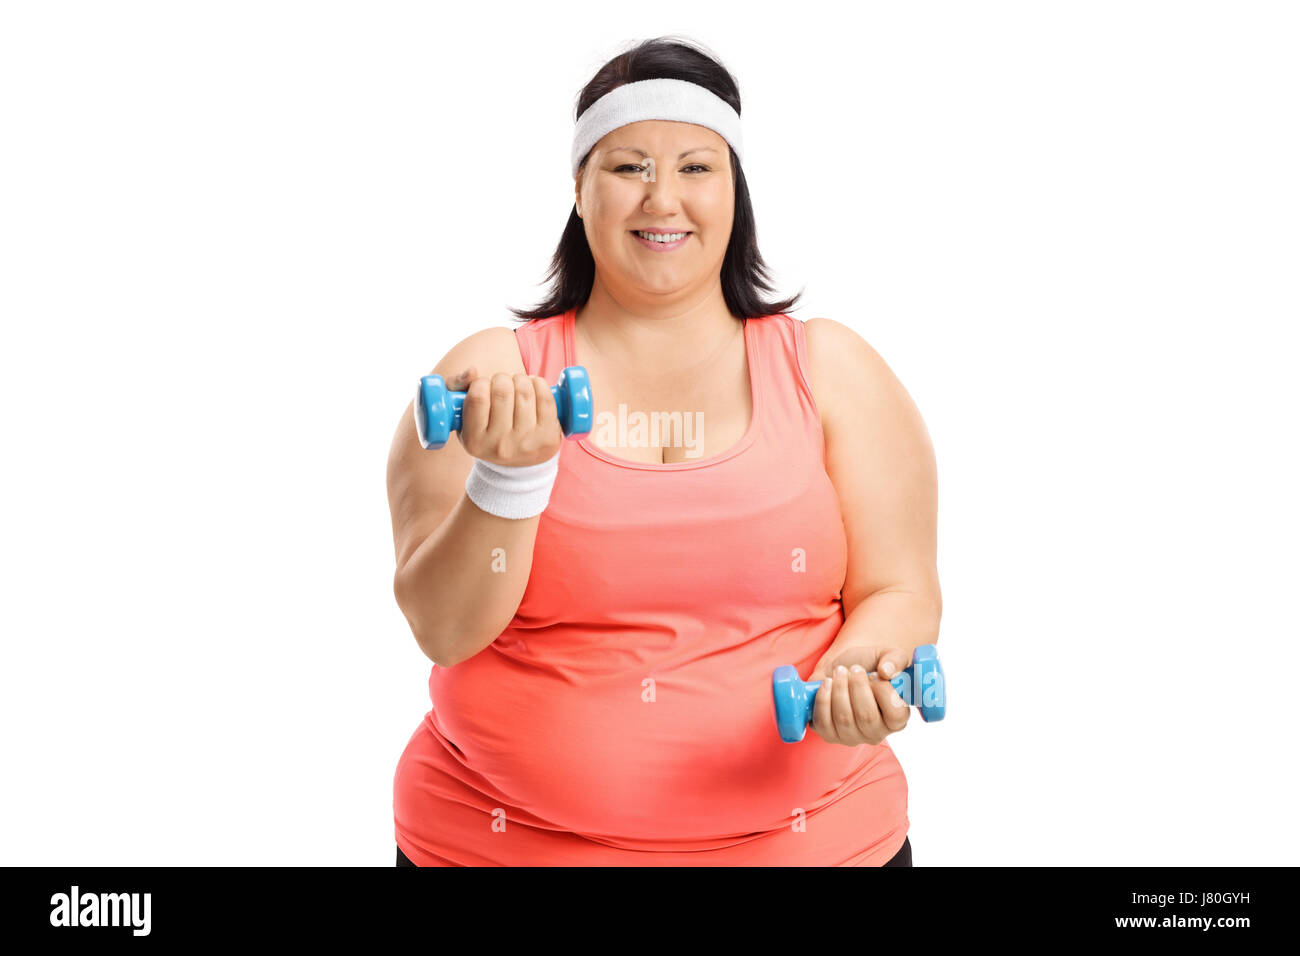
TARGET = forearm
(890,618)
(461,587)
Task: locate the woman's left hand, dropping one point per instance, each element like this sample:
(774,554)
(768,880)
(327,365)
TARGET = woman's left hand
(852,708)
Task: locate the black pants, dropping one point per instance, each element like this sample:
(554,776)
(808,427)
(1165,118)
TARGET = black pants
(902,858)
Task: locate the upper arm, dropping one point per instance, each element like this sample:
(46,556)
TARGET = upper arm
(881,462)
(425,484)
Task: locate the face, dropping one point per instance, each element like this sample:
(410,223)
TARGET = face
(660,177)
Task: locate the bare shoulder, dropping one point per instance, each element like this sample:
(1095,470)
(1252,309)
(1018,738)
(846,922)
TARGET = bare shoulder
(489,351)
(843,369)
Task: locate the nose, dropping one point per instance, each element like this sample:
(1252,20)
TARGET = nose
(661,197)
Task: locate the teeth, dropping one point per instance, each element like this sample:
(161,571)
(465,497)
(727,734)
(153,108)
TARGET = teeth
(661,236)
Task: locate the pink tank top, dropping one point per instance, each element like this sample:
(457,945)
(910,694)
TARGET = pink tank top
(625,714)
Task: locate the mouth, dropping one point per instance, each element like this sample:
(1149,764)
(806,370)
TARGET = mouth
(663,241)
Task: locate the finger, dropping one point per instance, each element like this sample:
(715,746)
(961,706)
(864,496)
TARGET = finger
(822,711)
(846,727)
(464,378)
(893,661)
(474,412)
(525,405)
(866,713)
(545,400)
(502,406)
(893,711)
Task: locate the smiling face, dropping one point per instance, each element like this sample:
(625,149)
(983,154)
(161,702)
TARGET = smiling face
(663,178)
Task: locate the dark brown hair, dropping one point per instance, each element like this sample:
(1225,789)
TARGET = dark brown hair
(744,274)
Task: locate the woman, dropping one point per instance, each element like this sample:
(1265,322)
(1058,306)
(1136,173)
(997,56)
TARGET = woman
(604,614)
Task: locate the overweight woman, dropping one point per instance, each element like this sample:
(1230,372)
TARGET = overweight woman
(604,612)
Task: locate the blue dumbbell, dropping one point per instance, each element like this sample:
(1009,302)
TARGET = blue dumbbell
(920,684)
(437,411)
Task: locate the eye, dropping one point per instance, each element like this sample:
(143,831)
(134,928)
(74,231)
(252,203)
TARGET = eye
(634,166)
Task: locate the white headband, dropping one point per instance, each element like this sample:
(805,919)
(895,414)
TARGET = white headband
(658,99)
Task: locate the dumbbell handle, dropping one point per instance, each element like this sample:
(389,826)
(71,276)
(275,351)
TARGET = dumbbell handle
(456,400)
(901,682)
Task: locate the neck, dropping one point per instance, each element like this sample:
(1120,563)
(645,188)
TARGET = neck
(656,339)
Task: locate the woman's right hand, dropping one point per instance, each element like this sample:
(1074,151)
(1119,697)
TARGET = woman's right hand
(508,420)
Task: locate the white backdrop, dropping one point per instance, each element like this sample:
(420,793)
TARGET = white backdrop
(234,234)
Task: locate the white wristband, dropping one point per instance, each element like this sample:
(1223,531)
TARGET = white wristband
(521,491)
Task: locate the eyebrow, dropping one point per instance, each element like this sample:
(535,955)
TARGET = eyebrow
(642,152)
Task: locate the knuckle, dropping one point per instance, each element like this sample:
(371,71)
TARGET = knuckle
(869,719)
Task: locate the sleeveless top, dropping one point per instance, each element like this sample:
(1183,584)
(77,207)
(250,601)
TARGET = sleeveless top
(625,715)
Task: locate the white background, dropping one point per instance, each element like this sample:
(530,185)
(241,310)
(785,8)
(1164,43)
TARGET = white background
(234,235)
